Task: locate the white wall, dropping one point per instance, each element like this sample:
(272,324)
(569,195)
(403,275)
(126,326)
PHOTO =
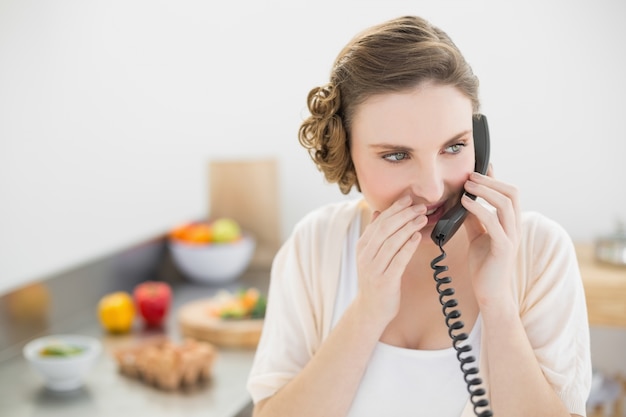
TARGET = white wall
(111,109)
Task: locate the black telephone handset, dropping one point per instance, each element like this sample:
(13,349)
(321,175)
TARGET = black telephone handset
(452,219)
(442,232)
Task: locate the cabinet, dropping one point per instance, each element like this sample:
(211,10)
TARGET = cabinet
(605,289)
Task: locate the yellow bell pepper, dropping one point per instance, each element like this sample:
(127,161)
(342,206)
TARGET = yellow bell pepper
(116,312)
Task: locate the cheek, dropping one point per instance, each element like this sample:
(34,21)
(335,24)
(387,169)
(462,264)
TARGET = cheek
(380,187)
(460,173)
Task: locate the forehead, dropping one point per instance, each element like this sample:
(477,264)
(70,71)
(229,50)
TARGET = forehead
(427,111)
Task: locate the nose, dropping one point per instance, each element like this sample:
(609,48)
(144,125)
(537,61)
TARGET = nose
(428,183)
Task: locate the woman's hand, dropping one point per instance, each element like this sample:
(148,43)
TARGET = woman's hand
(383,252)
(493,234)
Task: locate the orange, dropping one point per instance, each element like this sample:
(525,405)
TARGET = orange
(199,233)
(179,232)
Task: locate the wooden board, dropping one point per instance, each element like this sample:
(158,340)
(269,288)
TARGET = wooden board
(196,322)
(247,191)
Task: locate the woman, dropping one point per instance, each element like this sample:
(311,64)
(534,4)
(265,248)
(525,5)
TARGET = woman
(354,325)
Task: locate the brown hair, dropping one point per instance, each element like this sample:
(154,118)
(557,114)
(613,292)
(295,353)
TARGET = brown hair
(390,57)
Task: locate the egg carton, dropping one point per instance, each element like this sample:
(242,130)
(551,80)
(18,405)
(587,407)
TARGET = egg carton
(167,365)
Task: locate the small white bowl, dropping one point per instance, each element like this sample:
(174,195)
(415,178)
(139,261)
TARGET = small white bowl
(213,262)
(63,373)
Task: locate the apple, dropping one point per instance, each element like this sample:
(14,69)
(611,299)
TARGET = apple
(153,299)
(225,230)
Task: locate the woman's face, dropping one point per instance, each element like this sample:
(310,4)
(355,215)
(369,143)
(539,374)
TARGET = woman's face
(417,143)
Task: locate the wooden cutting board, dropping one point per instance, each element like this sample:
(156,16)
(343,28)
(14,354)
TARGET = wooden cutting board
(196,322)
(247,191)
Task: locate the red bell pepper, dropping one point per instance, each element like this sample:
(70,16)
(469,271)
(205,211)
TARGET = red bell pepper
(153,299)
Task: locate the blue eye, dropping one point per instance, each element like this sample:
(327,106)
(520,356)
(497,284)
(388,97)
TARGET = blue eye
(456,148)
(396,156)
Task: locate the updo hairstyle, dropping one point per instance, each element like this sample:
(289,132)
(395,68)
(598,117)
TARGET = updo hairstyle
(391,57)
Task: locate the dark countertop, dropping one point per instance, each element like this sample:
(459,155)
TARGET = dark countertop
(107,393)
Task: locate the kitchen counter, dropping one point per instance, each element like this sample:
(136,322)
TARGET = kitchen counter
(605,288)
(108,393)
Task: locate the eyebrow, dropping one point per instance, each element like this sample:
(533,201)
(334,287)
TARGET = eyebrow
(402,148)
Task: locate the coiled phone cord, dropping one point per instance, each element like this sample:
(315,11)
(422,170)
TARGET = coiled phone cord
(454,324)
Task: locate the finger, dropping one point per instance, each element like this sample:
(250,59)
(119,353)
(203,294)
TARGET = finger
(386,224)
(390,211)
(504,206)
(393,245)
(399,212)
(398,263)
(489,181)
(383,232)
(488,217)
(504,197)
(378,257)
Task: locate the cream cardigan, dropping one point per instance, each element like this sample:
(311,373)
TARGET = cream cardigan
(303,286)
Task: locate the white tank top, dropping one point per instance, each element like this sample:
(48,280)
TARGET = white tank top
(404,382)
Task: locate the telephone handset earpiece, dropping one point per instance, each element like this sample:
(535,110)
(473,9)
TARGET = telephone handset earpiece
(442,232)
(452,219)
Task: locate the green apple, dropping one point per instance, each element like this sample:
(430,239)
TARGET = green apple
(225,230)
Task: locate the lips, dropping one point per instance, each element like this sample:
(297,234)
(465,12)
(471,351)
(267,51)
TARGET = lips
(434,213)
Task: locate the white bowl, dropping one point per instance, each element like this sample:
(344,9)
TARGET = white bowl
(63,373)
(213,262)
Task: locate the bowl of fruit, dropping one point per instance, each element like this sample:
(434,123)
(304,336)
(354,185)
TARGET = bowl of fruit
(212,251)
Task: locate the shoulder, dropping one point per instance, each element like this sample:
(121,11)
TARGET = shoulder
(535,222)
(546,247)
(319,235)
(330,218)
(543,233)
(308,265)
